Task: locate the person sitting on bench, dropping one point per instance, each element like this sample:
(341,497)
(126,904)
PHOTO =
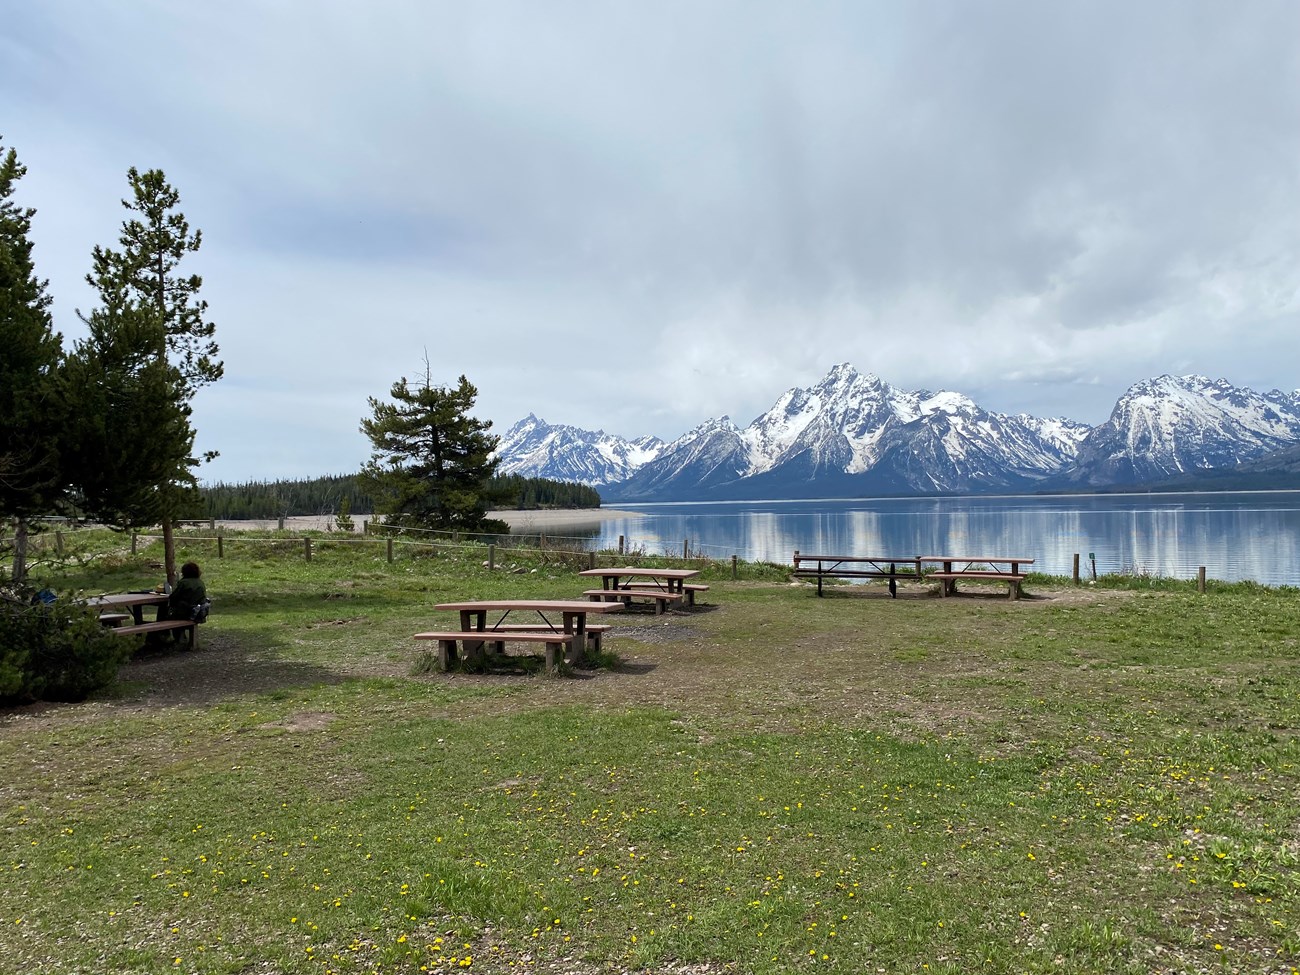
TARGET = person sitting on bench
(189,595)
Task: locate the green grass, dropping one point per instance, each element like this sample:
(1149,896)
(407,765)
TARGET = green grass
(1099,781)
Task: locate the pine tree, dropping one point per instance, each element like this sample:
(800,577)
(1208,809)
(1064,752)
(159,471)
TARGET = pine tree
(31,481)
(432,461)
(131,422)
(142,278)
(343,520)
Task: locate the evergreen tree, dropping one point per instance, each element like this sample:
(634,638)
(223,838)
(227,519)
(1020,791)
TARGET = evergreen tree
(131,422)
(31,481)
(432,461)
(343,520)
(142,278)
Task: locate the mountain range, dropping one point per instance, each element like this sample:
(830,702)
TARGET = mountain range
(855,435)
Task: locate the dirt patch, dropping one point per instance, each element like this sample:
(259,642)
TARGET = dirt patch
(686,660)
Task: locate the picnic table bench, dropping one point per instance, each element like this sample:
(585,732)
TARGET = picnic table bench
(984,568)
(474,642)
(159,626)
(659,597)
(823,567)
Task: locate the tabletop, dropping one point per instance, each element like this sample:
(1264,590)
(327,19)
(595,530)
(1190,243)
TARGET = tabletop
(972,559)
(641,571)
(128,599)
(554,605)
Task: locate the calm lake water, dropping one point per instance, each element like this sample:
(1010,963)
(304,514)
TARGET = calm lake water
(1236,536)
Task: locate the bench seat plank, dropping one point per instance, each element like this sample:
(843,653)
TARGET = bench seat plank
(159,626)
(660,597)
(948,580)
(473,641)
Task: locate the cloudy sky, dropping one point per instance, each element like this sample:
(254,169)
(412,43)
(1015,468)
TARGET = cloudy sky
(635,216)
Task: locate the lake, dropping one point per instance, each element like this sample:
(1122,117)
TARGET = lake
(1236,536)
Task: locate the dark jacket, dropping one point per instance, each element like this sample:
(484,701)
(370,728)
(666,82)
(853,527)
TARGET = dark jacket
(187,594)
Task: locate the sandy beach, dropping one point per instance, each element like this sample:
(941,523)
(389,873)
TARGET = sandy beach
(553,519)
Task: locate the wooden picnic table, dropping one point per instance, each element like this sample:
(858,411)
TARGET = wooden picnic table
(660,585)
(572,615)
(888,567)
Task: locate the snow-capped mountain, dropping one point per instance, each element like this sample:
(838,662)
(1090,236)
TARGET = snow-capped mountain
(1178,424)
(855,435)
(535,448)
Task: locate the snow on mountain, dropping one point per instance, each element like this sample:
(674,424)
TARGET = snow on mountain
(854,434)
(713,453)
(1172,425)
(535,448)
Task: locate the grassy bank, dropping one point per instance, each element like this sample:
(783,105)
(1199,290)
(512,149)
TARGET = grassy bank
(1096,780)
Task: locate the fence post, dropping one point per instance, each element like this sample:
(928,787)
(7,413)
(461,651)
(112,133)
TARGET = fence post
(221,546)
(306,547)
(734,568)
(1200,579)
(591,559)
(282,523)
(58,542)
(134,538)
(1076,568)
(212,524)
(492,556)
(686,548)
(390,548)
(620,544)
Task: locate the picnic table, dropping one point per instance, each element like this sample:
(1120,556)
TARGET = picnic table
(951,569)
(857,567)
(476,630)
(661,585)
(995,568)
(136,602)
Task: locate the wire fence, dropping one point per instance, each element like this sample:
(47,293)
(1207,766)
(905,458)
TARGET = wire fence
(391,542)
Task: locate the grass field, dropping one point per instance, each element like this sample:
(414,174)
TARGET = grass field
(1095,780)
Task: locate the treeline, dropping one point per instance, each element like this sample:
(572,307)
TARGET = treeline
(326,496)
(528,493)
(285,498)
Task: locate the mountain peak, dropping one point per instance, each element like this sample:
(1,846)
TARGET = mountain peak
(853,434)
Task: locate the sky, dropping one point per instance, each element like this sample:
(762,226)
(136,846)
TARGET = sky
(638,216)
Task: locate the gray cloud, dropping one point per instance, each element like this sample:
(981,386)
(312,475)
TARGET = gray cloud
(638,216)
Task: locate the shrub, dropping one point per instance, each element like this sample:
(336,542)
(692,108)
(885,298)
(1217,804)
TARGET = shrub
(55,652)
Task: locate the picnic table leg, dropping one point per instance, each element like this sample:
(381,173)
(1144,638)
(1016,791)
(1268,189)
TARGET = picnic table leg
(472,651)
(446,655)
(576,625)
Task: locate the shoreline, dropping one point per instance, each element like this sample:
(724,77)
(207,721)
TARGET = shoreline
(552,518)
(523,522)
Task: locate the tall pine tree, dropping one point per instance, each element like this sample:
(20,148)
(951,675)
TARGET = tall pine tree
(31,481)
(431,461)
(131,422)
(142,278)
